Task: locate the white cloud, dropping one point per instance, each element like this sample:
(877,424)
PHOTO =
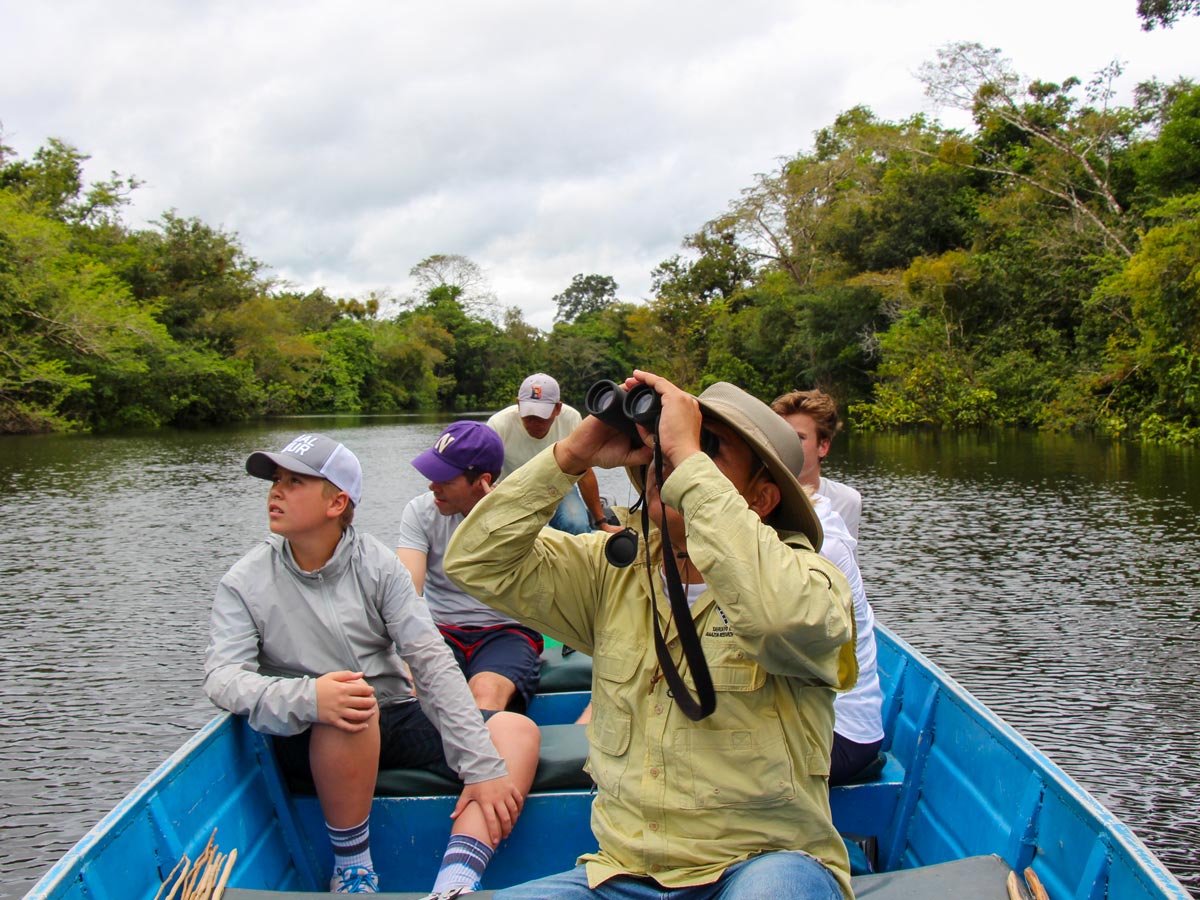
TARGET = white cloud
(346,142)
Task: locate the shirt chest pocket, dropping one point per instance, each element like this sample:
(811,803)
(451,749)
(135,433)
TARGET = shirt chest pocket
(745,762)
(730,669)
(733,767)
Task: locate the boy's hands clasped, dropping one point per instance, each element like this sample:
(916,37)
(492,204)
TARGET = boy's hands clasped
(345,701)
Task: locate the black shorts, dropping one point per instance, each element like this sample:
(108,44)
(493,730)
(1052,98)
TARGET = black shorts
(850,758)
(513,651)
(407,740)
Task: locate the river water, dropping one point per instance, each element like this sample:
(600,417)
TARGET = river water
(1057,579)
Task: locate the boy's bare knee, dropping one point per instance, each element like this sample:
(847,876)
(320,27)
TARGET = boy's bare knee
(515,725)
(518,740)
(492,690)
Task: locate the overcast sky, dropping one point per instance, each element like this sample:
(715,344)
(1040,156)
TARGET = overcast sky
(345,142)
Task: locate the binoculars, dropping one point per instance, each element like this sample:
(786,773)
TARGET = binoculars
(624,410)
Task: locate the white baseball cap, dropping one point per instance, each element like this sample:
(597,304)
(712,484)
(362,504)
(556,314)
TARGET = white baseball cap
(315,455)
(538,396)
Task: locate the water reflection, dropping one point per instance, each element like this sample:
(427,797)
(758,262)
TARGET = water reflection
(1055,578)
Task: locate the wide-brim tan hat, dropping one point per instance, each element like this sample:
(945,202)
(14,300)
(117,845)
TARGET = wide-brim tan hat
(774,442)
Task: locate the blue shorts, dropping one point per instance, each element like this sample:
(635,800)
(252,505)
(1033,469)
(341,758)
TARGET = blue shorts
(407,740)
(513,651)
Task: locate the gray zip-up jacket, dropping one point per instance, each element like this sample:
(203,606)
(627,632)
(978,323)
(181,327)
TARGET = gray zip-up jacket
(276,628)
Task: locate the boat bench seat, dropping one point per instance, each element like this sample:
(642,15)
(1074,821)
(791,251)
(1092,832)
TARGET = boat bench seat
(977,877)
(560,768)
(563,753)
(564,672)
(861,808)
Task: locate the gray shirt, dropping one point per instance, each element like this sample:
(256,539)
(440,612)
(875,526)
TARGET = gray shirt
(425,529)
(276,628)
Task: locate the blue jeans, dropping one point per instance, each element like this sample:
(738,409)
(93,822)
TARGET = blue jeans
(572,515)
(780,875)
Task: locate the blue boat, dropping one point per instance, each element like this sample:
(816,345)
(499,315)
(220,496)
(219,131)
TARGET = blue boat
(960,804)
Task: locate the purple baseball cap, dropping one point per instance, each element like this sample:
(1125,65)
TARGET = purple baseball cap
(315,455)
(462,445)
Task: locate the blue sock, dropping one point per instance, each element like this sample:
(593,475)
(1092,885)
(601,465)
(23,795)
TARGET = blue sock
(351,846)
(462,864)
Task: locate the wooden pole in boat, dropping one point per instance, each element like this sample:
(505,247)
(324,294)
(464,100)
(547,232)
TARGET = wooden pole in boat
(204,879)
(1035,885)
(183,862)
(225,875)
(189,889)
(182,878)
(204,890)
(1016,890)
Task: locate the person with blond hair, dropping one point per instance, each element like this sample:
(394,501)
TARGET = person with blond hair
(858,713)
(813,415)
(319,639)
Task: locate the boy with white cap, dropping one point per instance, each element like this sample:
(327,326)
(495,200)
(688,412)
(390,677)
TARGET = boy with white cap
(537,420)
(315,596)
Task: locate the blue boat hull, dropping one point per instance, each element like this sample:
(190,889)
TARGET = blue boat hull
(959,783)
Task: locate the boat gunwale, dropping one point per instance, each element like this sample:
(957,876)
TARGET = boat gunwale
(1118,835)
(114,821)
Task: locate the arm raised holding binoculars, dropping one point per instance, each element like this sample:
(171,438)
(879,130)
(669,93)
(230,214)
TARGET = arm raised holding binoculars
(596,444)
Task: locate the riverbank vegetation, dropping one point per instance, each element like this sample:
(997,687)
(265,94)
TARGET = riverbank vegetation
(1039,269)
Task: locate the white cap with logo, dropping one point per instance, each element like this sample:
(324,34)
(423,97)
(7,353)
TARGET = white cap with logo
(538,396)
(315,455)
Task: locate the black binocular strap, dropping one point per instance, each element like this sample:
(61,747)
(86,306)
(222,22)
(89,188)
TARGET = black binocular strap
(705,701)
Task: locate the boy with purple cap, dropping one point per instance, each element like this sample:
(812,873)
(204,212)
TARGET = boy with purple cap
(537,420)
(316,596)
(499,656)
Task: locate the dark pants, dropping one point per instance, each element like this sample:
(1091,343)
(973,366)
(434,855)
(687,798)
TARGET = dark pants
(849,758)
(513,651)
(407,740)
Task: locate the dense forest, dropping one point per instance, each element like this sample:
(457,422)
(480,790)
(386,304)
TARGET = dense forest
(1040,269)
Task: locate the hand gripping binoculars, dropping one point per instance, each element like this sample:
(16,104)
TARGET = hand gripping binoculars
(624,410)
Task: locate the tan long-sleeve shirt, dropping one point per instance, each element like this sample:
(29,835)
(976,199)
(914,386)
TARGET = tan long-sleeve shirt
(679,800)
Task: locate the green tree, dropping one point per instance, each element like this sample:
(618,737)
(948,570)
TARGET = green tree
(1035,134)
(192,273)
(925,378)
(467,280)
(1165,12)
(468,344)
(586,295)
(53,185)
(75,348)
(1170,163)
(1151,361)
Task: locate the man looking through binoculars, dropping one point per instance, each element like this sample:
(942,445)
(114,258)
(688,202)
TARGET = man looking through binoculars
(736,805)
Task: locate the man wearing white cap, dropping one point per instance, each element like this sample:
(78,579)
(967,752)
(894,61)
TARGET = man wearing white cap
(536,421)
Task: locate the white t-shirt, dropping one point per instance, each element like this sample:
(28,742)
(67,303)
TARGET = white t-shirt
(425,529)
(858,713)
(519,447)
(846,502)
